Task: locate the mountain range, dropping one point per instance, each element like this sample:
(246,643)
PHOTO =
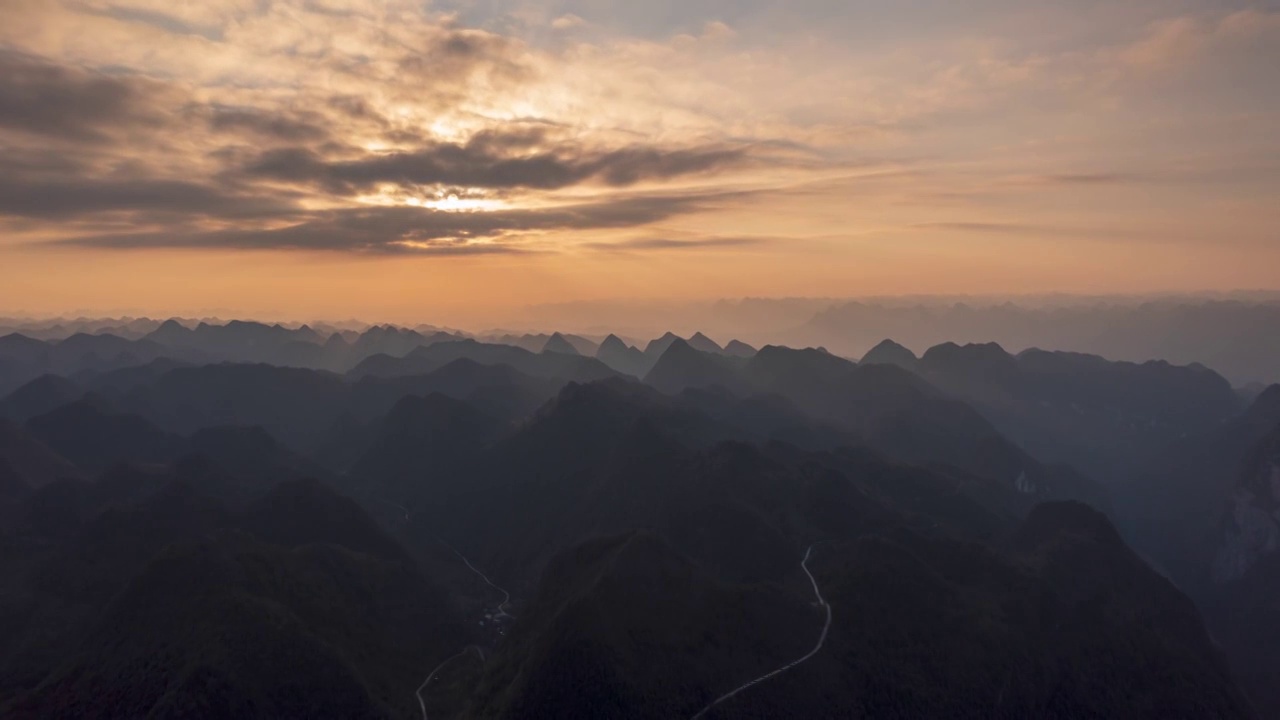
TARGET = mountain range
(464,528)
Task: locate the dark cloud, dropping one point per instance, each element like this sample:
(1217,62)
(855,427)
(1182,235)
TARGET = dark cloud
(41,161)
(493,159)
(54,198)
(411,229)
(270,125)
(355,107)
(631,165)
(511,138)
(69,103)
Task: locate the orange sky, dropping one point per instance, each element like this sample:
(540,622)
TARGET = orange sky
(416,162)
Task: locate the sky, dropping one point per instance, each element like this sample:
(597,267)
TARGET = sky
(455,162)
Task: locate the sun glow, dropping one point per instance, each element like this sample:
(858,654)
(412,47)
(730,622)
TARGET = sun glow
(442,202)
(453,203)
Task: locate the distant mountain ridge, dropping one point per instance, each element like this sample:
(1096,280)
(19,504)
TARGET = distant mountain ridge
(1233,334)
(1236,337)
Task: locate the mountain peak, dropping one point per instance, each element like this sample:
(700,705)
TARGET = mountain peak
(737,348)
(595,407)
(559,345)
(775,364)
(889,352)
(1265,408)
(39,396)
(683,366)
(703,343)
(380,331)
(621,357)
(972,357)
(678,347)
(1269,397)
(613,343)
(656,347)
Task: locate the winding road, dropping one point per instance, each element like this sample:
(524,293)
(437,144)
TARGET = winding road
(502,609)
(506,596)
(422,703)
(822,639)
(502,612)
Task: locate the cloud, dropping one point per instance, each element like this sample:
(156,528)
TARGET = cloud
(73,197)
(309,127)
(66,103)
(1177,40)
(458,56)
(170,16)
(413,229)
(1088,178)
(669,243)
(568,21)
(716,30)
(1058,180)
(327,124)
(494,159)
(1027,230)
(978,227)
(161,19)
(219,156)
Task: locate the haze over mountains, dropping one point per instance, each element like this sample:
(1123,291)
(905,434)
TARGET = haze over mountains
(252,520)
(1235,335)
